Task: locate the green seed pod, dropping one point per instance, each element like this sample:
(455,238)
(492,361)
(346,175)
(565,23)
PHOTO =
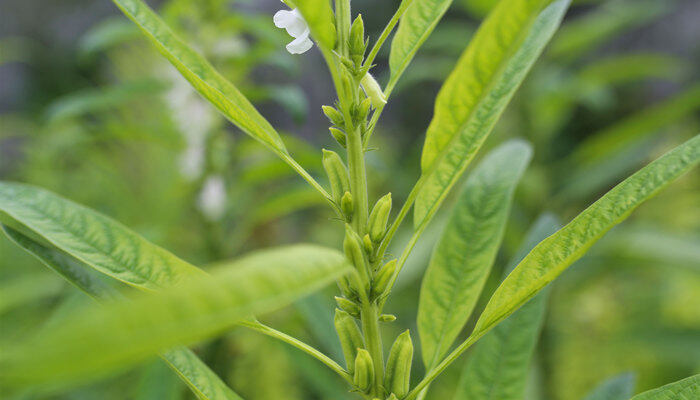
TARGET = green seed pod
(373,90)
(398,366)
(346,205)
(364,108)
(367,244)
(364,370)
(383,277)
(387,318)
(346,288)
(392,397)
(353,249)
(348,306)
(379,217)
(357,37)
(333,115)
(350,337)
(339,136)
(337,174)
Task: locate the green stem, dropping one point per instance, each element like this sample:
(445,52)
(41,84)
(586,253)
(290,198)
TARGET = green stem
(358,180)
(386,32)
(373,340)
(266,330)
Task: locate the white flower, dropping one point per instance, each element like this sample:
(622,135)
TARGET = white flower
(296,27)
(212,198)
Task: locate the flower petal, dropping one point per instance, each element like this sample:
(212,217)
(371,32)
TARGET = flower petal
(283,18)
(300,45)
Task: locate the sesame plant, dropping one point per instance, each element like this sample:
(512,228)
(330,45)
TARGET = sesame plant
(152,302)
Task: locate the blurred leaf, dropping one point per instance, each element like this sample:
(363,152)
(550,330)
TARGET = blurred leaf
(203,77)
(478,8)
(499,364)
(319,15)
(203,381)
(90,237)
(416,24)
(107,33)
(619,387)
(553,255)
(29,288)
(99,340)
(157,383)
(688,388)
(589,31)
(624,68)
(478,90)
(463,257)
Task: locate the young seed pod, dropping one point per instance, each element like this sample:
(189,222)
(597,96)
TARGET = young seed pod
(378,218)
(346,206)
(398,366)
(353,249)
(337,174)
(339,136)
(357,38)
(367,244)
(350,337)
(346,288)
(392,397)
(333,115)
(364,370)
(373,90)
(364,109)
(383,277)
(348,306)
(387,318)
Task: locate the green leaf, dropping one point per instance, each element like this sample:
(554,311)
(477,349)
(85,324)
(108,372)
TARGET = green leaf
(202,75)
(102,339)
(553,255)
(499,364)
(92,238)
(417,23)
(618,387)
(203,381)
(319,15)
(478,90)
(463,257)
(685,389)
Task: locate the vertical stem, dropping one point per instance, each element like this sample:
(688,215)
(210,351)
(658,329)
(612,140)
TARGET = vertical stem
(358,180)
(373,340)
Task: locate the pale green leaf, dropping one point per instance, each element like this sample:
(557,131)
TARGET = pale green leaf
(203,381)
(90,237)
(618,387)
(463,257)
(478,90)
(98,340)
(202,75)
(553,255)
(685,389)
(417,23)
(499,364)
(319,15)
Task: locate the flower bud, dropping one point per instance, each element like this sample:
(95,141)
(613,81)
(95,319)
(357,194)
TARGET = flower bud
(339,136)
(357,37)
(373,90)
(333,115)
(346,288)
(367,244)
(348,306)
(383,277)
(398,367)
(364,370)
(379,217)
(337,174)
(346,205)
(350,337)
(387,318)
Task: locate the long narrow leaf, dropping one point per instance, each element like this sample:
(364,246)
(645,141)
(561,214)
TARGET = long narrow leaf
(202,75)
(553,255)
(685,389)
(102,339)
(467,249)
(203,381)
(319,15)
(478,90)
(499,365)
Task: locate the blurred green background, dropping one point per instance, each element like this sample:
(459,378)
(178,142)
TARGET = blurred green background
(89,110)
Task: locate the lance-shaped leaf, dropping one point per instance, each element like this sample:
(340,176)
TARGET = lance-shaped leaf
(90,237)
(417,23)
(498,366)
(467,249)
(553,255)
(202,75)
(103,339)
(478,90)
(203,381)
(319,16)
(618,387)
(685,389)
